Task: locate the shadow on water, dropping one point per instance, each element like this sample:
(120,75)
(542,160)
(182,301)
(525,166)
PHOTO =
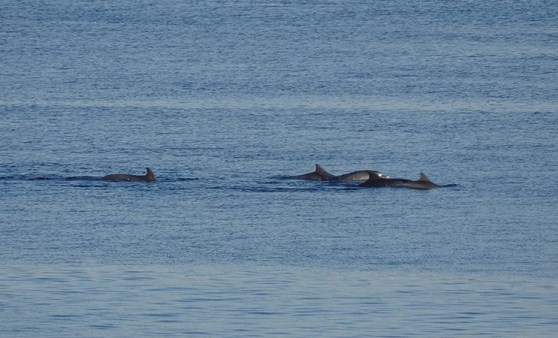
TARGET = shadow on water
(83,178)
(28,177)
(275,184)
(320,185)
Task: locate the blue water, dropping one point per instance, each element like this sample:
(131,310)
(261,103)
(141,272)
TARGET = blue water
(224,101)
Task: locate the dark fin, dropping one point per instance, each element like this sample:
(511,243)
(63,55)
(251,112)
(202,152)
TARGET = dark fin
(323,173)
(320,169)
(149,176)
(424,178)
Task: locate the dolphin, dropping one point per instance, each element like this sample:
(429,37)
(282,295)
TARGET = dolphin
(148,177)
(319,174)
(377,181)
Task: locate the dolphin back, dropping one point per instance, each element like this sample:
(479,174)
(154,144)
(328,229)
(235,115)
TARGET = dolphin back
(319,174)
(148,177)
(423,183)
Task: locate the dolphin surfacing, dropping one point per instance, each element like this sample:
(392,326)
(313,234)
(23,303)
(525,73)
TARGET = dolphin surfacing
(319,174)
(377,181)
(148,177)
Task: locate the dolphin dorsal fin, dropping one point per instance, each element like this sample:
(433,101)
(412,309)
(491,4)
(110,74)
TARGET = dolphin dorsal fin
(424,178)
(320,169)
(149,176)
(323,173)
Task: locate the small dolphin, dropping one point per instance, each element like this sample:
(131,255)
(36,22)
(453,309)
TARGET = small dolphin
(378,181)
(320,174)
(148,177)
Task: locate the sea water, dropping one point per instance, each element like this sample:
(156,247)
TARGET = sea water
(225,101)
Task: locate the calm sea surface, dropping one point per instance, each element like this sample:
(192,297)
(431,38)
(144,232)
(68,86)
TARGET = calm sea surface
(224,101)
